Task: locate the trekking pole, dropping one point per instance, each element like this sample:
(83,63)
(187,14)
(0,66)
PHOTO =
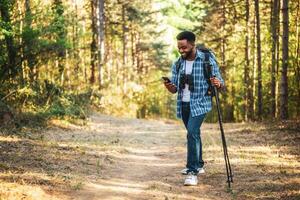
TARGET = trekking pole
(226,157)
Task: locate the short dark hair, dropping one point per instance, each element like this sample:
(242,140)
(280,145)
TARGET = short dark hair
(186,35)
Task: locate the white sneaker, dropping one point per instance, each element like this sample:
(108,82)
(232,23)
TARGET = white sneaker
(191,179)
(200,171)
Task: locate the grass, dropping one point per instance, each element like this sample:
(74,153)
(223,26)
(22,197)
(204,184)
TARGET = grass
(270,166)
(77,185)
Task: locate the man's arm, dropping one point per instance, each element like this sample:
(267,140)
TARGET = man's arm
(217,81)
(171,86)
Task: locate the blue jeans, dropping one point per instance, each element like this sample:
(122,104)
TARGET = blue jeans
(194,143)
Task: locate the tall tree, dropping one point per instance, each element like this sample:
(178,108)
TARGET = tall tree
(124,42)
(9,69)
(285,60)
(60,37)
(259,70)
(247,83)
(274,49)
(224,60)
(76,41)
(298,57)
(101,39)
(29,38)
(94,51)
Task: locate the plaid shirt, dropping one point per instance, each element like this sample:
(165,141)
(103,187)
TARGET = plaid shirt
(199,102)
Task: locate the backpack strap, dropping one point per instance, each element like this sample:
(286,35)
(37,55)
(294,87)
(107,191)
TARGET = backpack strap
(207,70)
(207,66)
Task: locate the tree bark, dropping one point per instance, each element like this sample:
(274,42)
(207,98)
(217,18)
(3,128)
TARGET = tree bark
(61,36)
(277,63)
(228,115)
(223,39)
(259,77)
(124,50)
(28,44)
(254,66)
(285,59)
(247,84)
(76,52)
(21,50)
(298,59)
(101,39)
(274,49)
(94,40)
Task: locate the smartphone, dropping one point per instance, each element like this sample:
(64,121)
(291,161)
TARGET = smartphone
(166,79)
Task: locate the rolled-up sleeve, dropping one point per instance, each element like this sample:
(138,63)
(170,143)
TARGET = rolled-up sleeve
(174,78)
(215,69)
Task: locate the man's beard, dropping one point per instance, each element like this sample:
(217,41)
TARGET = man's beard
(187,54)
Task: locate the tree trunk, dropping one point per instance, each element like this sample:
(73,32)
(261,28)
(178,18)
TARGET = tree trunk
(28,43)
(298,59)
(116,60)
(254,66)
(259,78)
(227,114)
(132,52)
(76,52)
(132,47)
(233,96)
(101,39)
(274,49)
(223,39)
(124,52)
(138,55)
(94,40)
(61,36)
(247,84)
(21,51)
(277,63)
(84,58)
(68,71)
(285,58)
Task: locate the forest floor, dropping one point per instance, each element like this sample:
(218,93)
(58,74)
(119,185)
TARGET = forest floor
(113,158)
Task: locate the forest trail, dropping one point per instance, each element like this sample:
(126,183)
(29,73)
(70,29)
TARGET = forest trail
(145,161)
(118,158)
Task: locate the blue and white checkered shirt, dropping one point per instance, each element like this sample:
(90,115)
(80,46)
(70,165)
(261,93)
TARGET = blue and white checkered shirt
(199,102)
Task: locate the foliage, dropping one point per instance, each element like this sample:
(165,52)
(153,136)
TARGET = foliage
(47,49)
(33,106)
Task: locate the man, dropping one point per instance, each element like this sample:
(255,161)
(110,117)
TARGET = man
(193,102)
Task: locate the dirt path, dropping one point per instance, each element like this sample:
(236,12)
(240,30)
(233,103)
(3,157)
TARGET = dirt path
(116,158)
(145,161)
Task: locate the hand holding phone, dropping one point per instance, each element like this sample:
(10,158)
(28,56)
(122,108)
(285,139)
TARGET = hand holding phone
(169,85)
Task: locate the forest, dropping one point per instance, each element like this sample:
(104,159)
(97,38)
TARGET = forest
(84,113)
(57,57)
